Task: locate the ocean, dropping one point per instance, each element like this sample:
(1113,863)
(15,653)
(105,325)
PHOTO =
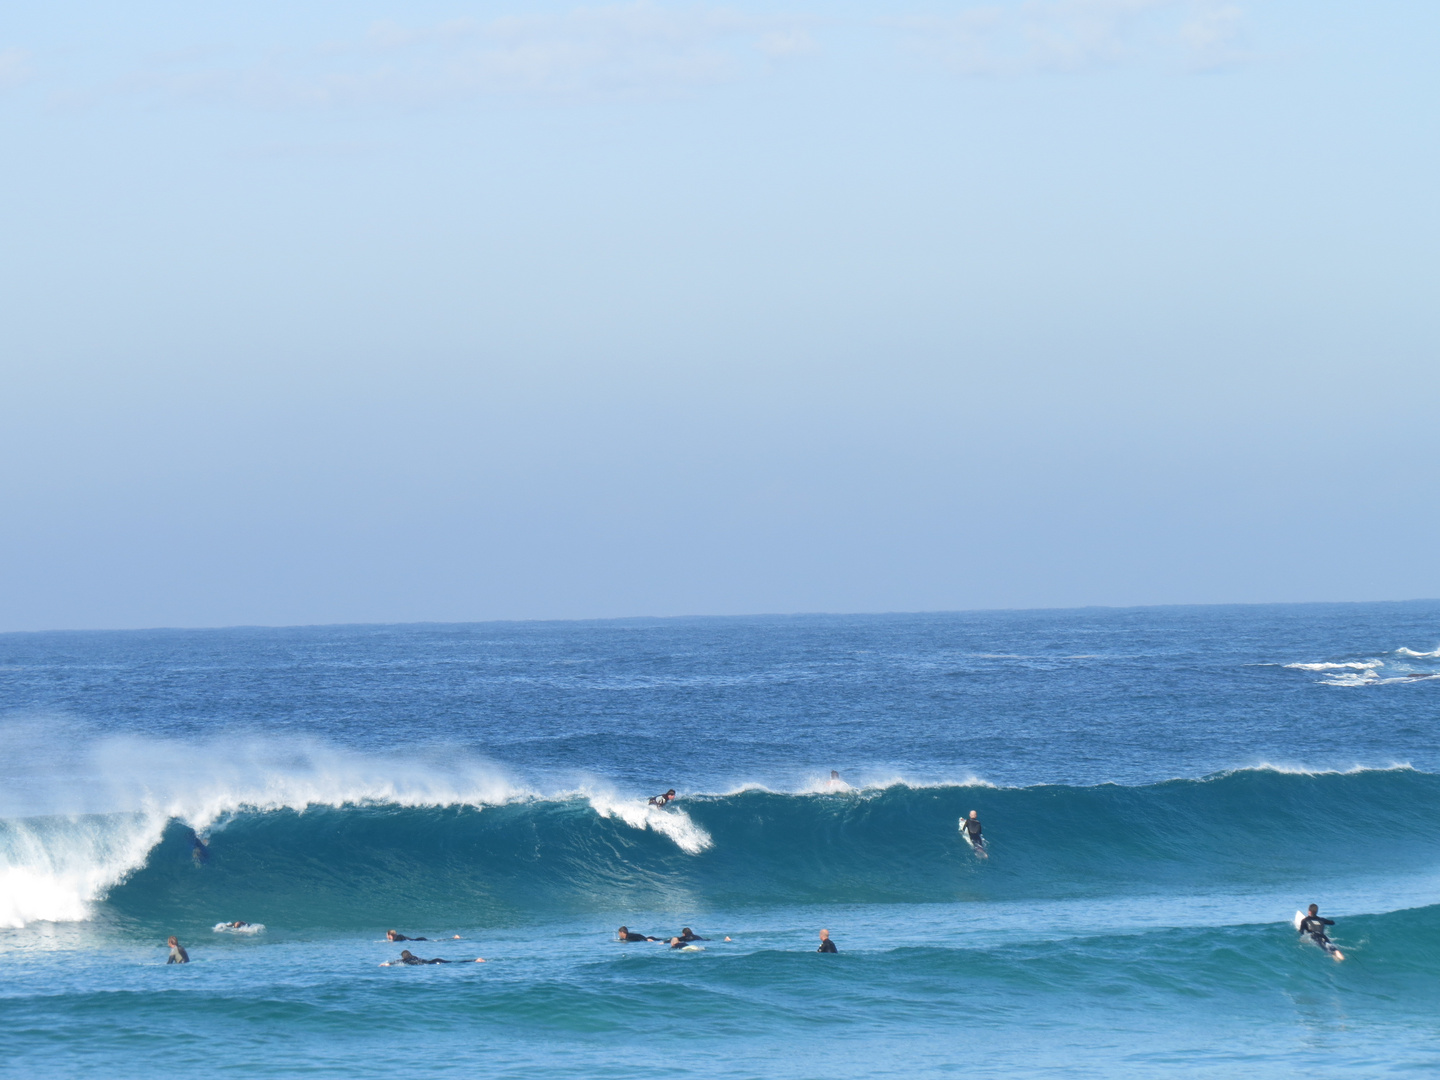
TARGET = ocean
(1161,789)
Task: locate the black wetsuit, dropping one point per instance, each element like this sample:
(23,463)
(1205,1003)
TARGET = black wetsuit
(972,827)
(402,937)
(827,946)
(693,937)
(630,935)
(1314,925)
(178,955)
(413,960)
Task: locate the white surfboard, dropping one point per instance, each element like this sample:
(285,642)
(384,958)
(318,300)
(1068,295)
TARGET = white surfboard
(1299,918)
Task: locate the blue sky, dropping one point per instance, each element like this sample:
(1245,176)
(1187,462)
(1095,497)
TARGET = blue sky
(365,312)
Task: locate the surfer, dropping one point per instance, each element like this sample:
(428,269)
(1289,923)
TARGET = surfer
(835,781)
(686,934)
(1314,925)
(198,851)
(178,955)
(237,925)
(972,828)
(391,935)
(409,959)
(826,945)
(625,935)
(662,800)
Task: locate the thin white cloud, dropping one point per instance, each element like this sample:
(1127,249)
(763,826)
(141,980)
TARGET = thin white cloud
(15,68)
(638,49)
(1073,35)
(646,49)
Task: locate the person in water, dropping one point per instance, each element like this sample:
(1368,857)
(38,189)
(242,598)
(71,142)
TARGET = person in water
(237,924)
(391,935)
(661,800)
(198,851)
(971,825)
(178,955)
(826,945)
(409,959)
(625,935)
(686,934)
(1314,925)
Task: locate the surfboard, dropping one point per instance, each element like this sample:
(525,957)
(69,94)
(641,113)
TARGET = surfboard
(1299,918)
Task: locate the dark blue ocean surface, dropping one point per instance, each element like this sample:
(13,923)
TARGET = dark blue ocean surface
(1161,789)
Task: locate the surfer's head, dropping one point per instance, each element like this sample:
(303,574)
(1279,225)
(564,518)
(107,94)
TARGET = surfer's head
(974,813)
(686,931)
(623,931)
(1314,909)
(172,941)
(670,794)
(824,935)
(406,954)
(389,935)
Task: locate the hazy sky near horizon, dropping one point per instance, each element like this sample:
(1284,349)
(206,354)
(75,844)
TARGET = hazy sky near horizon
(368,312)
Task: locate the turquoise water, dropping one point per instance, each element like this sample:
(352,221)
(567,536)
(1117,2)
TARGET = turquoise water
(1162,788)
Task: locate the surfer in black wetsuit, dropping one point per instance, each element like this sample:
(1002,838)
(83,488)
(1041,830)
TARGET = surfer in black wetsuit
(687,934)
(625,935)
(391,935)
(826,945)
(178,955)
(407,957)
(1314,925)
(971,825)
(661,800)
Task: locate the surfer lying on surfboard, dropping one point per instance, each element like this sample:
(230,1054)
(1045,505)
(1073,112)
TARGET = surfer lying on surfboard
(971,828)
(1314,925)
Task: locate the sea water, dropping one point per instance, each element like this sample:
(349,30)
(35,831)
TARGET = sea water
(1161,789)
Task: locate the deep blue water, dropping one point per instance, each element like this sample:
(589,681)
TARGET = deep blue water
(1162,788)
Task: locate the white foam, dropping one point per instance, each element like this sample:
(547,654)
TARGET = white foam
(53,869)
(821,784)
(248,928)
(1418,655)
(669,821)
(1306,770)
(1368,665)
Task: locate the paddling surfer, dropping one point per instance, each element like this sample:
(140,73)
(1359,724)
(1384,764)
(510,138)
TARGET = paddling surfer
(1314,925)
(972,828)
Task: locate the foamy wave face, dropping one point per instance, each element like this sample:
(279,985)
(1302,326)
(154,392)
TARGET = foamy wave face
(53,869)
(670,821)
(1402,651)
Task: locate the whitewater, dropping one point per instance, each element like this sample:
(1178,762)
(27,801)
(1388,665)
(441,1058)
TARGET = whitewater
(1161,789)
